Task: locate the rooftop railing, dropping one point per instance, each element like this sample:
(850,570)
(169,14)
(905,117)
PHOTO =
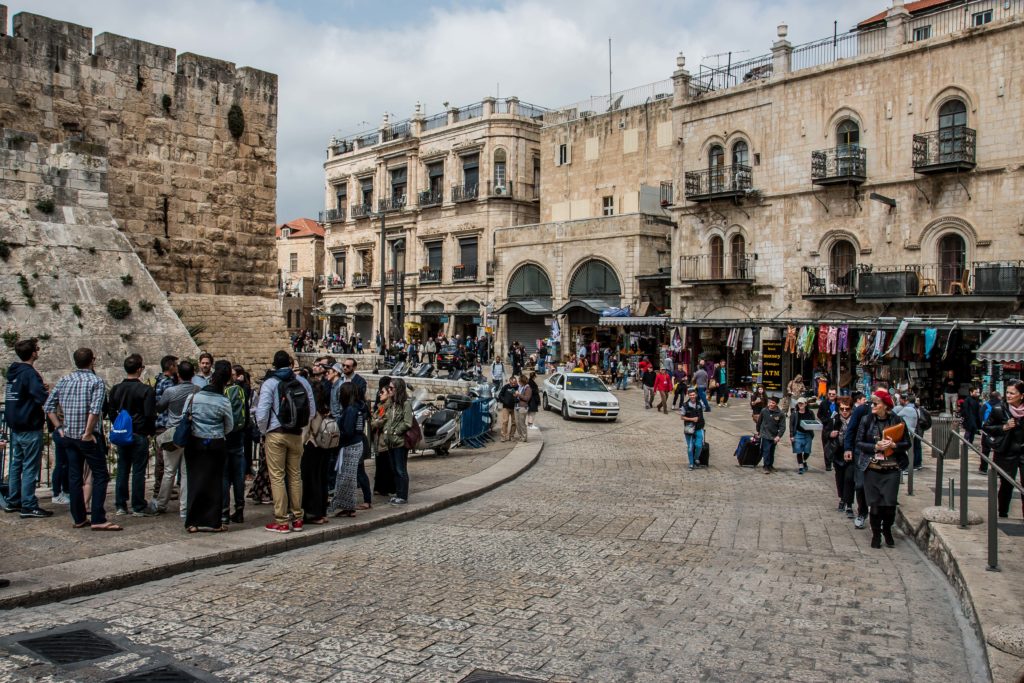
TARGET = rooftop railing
(960,17)
(602,104)
(332,215)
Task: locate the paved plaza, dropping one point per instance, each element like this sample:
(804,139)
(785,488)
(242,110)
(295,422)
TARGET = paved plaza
(607,561)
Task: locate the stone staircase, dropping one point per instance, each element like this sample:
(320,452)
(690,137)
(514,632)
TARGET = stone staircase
(244,329)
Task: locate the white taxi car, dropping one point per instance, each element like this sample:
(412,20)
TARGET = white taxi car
(577,394)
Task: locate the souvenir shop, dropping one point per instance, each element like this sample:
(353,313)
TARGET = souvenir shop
(1002,356)
(633,336)
(708,345)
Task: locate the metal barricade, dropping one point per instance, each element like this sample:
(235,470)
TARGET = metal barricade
(475,430)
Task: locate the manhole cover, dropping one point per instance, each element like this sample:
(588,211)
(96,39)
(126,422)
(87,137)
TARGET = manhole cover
(163,674)
(480,676)
(71,646)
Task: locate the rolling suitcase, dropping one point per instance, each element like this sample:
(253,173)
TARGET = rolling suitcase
(748,452)
(705,453)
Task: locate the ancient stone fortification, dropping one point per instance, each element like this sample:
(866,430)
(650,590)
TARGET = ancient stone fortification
(194,193)
(64,260)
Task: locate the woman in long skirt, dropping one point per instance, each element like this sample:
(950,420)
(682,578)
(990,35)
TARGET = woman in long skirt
(210,413)
(352,425)
(882,458)
(320,443)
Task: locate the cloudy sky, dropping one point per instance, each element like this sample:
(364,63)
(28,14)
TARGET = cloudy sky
(342,64)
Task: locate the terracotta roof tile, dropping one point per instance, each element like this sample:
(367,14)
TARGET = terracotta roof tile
(912,7)
(302,227)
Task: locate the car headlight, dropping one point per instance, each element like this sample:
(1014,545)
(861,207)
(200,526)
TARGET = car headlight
(579,403)
(613,404)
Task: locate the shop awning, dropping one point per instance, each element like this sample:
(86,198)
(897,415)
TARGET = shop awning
(530,306)
(634,321)
(595,306)
(1004,346)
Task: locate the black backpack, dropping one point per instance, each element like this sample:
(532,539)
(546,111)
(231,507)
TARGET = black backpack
(293,402)
(924,420)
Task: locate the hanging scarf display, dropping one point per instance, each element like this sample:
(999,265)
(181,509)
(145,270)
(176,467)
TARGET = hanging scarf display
(879,344)
(790,345)
(832,344)
(748,339)
(930,336)
(822,339)
(808,345)
(843,341)
(900,331)
(949,339)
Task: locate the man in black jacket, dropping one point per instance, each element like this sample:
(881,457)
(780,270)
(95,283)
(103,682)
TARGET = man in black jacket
(647,381)
(861,409)
(507,400)
(827,408)
(23,412)
(970,411)
(139,400)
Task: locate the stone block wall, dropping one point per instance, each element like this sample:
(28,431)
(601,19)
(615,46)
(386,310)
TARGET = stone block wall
(196,201)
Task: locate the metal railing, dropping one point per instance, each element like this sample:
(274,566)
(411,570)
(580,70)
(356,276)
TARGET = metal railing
(828,281)
(602,104)
(397,132)
(961,17)
(836,47)
(359,211)
(472,111)
(924,279)
(431,198)
(839,163)
(461,273)
(359,280)
(465,193)
(388,204)
(390,277)
(718,180)
(334,281)
(430,276)
(946,146)
(666,195)
(332,215)
(435,121)
(710,78)
(997,278)
(721,268)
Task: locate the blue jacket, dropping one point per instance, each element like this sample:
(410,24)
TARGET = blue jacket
(24,399)
(850,438)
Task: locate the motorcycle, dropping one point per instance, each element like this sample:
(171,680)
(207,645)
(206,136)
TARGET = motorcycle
(439,425)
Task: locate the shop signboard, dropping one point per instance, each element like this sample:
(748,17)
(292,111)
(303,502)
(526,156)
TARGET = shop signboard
(771,364)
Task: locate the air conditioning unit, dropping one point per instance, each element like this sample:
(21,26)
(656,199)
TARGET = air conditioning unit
(499,189)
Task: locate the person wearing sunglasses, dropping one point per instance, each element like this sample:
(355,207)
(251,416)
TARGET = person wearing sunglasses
(835,431)
(882,456)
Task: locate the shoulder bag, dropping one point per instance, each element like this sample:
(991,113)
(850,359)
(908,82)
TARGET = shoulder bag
(183,430)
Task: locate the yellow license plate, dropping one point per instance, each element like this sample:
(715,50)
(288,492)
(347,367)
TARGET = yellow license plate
(599,411)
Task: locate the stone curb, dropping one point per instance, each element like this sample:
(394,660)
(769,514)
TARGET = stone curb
(128,568)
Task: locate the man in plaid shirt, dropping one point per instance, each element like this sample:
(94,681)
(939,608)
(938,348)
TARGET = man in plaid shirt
(74,408)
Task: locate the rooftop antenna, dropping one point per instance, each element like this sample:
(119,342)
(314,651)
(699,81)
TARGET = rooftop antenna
(609,73)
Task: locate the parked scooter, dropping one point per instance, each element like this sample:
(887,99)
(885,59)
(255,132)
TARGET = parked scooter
(440,426)
(423,370)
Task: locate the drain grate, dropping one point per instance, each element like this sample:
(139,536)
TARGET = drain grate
(163,674)
(70,647)
(481,676)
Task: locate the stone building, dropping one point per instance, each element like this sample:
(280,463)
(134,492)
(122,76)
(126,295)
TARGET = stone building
(300,272)
(861,180)
(191,152)
(432,192)
(606,237)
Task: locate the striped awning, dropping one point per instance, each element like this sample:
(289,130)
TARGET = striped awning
(638,321)
(1005,346)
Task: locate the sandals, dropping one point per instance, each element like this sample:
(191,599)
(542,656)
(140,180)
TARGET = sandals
(192,529)
(316,520)
(107,526)
(345,513)
(364,506)
(82,525)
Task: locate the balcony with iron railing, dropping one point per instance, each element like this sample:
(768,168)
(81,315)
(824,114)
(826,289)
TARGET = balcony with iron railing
(464,273)
(333,281)
(391,204)
(666,194)
(332,215)
(714,269)
(358,211)
(982,281)
(947,150)
(828,282)
(428,198)
(430,276)
(465,193)
(718,182)
(390,277)
(360,280)
(841,165)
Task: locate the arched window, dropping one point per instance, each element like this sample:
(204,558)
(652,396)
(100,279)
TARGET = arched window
(738,257)
(717,250)
(500,174)
(594,279)
(952,261)
(842,262)
(716,168)
(847,134)
(740,153)
(848,160)
(529,282)
(952,130)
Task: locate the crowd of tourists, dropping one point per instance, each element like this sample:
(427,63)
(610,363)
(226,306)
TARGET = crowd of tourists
(298,440)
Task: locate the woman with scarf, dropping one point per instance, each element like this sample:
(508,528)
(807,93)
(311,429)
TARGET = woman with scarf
(1004,430)
(881,458)
(396,421)
(351,426)
(209,411)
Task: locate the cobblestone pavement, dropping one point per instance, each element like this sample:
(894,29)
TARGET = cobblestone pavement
(608,561)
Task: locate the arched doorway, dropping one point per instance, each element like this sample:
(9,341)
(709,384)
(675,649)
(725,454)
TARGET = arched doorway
(842,264)
(528,310)
(430,319)
(338,318)
(716,168)
(952,261)
(467,319)
(738,257)
(848,148)
(593,288)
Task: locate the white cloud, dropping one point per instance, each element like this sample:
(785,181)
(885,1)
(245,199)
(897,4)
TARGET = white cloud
(334,74)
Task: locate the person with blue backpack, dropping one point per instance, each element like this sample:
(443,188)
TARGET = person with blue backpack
(131,407)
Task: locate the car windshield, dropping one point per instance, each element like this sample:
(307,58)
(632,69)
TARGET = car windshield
(449,349)
(584,384)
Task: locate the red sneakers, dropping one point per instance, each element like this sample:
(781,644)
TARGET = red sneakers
(278,528)
(297,525)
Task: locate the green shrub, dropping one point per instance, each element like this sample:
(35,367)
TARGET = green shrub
(127,280)
(236,121)
(44,337)
(77,310)
(146,306)
(55,306)
(5,305)
(119,309)
(5,250)
(45,206)
(10,338)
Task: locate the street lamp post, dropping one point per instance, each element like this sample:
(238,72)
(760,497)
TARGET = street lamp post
(383,289)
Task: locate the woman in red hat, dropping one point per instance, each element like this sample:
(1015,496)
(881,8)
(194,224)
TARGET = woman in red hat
(882,458)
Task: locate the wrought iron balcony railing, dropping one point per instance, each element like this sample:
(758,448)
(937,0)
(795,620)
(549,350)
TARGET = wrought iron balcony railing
(358,211)
(463,273)
(332,215)
(844,164)
(828,282)
(666,194)
(981,279)
(390,277)
(465,193)
(431,198)
(945,150)
(389,204)
(430,276)
(717,269)
(718,182)
(360,280)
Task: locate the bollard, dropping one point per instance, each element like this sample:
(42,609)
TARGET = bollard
(938,481)
(964,470)
(993,521)
(910,468)
(951,499)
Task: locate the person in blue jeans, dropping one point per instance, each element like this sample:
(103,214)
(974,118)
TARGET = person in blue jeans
(801,439)
(771,429)
(692,416)
(23,413)
(139,400)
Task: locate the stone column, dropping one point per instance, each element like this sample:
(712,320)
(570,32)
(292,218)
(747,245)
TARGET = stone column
(513,105)
(681,81)
(782,52)
(895,25)
(489,106)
